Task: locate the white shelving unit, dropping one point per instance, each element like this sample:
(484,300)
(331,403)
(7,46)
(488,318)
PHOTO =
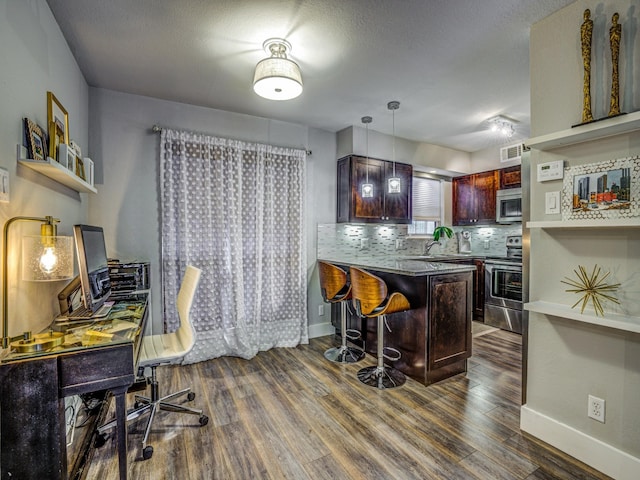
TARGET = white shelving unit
(578,224)
(610,320)
(56,171)
(593,131)
(585,133)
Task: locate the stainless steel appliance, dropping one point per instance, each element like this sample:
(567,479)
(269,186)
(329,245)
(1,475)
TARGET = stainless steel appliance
(509,205)
(503,288)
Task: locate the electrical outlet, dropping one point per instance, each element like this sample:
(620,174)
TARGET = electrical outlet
(320,310)
(364,243)
(595,408)
(399,244)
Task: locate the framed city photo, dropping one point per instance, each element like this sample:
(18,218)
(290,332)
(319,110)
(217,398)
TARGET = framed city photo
(58,124)
(602,190)
(36,141)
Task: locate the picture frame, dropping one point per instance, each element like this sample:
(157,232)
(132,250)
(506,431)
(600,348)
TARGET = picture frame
(36,140)
(88,170)
(58,125)
(80,168)
(67,157)
(603,190)
(4,185)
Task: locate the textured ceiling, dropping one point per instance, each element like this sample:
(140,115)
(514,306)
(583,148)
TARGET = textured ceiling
(452,64)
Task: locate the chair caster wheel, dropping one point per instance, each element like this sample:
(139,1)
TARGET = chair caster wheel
(100,440)
(203,420)
(147,452)
(191,396)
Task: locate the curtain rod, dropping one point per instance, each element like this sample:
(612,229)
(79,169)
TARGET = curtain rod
(157,129)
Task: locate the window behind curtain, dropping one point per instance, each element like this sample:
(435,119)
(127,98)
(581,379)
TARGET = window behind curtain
(427,206)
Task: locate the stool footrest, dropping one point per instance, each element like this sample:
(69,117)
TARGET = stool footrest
(353,334)
(391,350)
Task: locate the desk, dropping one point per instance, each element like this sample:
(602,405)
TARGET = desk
(33,386)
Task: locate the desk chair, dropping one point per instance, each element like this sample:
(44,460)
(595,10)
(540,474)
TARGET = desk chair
(165,349)
(371,300)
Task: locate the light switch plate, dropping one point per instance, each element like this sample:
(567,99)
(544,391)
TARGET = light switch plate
(552,203)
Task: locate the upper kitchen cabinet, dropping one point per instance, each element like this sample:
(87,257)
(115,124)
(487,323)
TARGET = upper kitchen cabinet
(474,198)
(510,177)
(381,207)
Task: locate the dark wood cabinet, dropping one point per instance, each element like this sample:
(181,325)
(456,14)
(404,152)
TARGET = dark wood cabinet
(382,207)
(474,198)
(510,177)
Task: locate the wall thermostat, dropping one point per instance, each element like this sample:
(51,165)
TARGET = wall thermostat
(550,171)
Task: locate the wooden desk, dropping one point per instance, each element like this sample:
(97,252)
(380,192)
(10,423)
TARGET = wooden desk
(33,387)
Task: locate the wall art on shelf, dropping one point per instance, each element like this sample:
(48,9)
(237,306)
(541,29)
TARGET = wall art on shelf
(602,190)
(80,168)
(4,185)
(67,157)
(88,169)
(592,287)
(58,124)
(36,140)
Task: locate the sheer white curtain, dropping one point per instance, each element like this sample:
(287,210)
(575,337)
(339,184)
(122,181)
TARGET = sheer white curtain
(235,210)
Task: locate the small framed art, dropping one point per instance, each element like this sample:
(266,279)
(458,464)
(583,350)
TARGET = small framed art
(58,124)
(602,190)
(36,140)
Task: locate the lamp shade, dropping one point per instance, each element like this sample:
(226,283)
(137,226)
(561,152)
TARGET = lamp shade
(277,79)
(46,259)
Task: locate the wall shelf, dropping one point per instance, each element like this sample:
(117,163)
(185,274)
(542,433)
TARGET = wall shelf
(54,170)
(585,133)
(611,320)
(578,224)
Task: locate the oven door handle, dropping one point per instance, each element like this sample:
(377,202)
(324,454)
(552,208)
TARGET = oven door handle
(509,266)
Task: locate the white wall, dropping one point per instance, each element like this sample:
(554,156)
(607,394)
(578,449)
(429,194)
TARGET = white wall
(125,152)
(34,58)
(569,360)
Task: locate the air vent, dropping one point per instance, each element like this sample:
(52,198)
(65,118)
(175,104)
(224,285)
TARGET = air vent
(512,152)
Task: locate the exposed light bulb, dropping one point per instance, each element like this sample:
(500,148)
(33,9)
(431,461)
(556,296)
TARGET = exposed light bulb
(48,260)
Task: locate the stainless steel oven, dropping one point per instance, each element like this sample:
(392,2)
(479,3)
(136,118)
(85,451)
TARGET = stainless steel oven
(503,294)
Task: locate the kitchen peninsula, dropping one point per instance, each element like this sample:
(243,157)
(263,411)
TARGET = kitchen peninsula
(434,336)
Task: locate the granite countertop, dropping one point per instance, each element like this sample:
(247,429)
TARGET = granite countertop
(401,265)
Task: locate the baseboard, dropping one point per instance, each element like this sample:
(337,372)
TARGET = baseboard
(595,453)
(321,329)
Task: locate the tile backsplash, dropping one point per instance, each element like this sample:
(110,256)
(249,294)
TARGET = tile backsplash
(335,240)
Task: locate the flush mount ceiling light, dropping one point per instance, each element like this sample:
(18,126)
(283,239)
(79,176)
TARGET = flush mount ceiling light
(277,77)
(502,125)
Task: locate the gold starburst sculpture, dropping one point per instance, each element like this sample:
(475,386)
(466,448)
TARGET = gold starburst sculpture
(592,288)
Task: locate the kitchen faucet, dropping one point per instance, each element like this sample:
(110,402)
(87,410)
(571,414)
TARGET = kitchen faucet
(429,245)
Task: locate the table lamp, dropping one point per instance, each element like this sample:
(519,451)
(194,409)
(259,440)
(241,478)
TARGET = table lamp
(45,257)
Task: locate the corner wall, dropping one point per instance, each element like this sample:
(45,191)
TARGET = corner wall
(568,359)
(35,58)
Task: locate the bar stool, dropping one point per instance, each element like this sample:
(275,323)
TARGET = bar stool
(370,297)
(335,287)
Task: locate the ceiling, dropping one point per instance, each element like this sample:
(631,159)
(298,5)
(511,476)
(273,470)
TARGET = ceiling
(452,64)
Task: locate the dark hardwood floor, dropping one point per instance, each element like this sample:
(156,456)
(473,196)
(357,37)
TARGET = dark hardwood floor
(291,414)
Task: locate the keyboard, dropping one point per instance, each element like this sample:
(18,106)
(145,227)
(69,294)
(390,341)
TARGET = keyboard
(82,313)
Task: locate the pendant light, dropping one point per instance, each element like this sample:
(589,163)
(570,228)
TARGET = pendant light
(276,77)
(393,182)
(367,188)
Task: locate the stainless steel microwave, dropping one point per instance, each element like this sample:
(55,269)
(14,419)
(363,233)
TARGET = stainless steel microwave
(509,205)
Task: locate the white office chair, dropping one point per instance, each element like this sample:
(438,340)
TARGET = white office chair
(165,349)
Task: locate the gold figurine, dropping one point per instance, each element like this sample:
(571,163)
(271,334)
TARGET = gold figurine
(614,39)
(586,31)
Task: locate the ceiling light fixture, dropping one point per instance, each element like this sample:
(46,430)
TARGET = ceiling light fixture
(367,188)
(502,125)
(393,183)
(277,77)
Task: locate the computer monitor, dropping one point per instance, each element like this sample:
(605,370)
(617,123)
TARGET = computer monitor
(92,265)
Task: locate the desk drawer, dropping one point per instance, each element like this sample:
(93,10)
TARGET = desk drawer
(96,369)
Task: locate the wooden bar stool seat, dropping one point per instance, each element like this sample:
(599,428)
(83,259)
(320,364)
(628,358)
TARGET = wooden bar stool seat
(370,298)
(336,288)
